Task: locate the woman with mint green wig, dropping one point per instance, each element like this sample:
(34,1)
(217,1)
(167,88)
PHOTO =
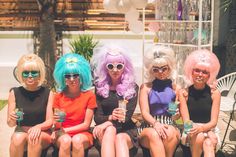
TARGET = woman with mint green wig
(73,105)
(76,64)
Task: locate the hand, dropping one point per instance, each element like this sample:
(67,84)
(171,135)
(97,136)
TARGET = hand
(13,116)
(196,130)
(99,130)
(56,117)
(161,129)
(176,115)
(34,133)
(118,114)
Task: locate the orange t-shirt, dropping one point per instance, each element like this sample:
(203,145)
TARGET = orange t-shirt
(75,108)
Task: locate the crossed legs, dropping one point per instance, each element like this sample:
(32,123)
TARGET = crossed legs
(206,144)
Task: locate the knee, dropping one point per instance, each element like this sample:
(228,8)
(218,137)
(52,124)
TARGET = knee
(110,133)
(110,130)
(208,144)
(65,142)
(77,142)
(18,140)
(120,139)
(153,136)
(214,140)
(199,139)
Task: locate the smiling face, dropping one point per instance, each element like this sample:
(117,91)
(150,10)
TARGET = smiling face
(200,74)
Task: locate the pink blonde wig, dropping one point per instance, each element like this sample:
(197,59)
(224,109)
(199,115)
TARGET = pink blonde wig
(204,58)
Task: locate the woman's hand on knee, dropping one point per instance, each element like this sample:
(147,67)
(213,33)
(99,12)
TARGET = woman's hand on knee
(98,131)
(161,130)
(34,133)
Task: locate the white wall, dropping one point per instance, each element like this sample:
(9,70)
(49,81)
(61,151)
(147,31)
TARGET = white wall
(14,44)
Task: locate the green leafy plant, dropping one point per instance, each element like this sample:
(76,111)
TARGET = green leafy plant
(83,45)
(3,103)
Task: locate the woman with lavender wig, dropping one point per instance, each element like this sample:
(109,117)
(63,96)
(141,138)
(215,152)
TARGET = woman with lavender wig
(115,131)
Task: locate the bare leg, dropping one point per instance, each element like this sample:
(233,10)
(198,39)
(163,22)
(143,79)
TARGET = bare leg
(173,137)
(108,142)
(208,148)
(196,145)
(18,142)
(123,144)
(35,149)
(209,144)
(64,144)
(151,140)
(213,137)
(80,142)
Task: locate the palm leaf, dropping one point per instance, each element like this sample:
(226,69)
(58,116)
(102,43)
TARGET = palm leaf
(83,45)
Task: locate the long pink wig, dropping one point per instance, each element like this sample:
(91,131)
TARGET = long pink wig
(203,58)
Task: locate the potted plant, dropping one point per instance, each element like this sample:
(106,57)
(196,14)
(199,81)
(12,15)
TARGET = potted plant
(83,45)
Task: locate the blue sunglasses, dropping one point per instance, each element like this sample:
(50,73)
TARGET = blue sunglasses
(27,74)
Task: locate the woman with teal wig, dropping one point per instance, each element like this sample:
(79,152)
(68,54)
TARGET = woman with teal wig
(73,105)
(76,64)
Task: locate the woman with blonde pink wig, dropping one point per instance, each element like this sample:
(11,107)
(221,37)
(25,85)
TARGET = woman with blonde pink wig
(160,134)
(200,103)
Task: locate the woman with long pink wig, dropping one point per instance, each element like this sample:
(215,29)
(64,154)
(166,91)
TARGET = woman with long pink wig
(115,132)
(200,104)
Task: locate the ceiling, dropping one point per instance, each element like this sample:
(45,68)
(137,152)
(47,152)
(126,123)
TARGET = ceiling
(72,15)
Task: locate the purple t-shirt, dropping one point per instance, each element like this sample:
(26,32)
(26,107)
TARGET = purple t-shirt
(160,96)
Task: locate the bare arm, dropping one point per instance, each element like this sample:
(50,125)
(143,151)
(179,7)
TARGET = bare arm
(144,105)
(182,96)
(216,96)
(11,116)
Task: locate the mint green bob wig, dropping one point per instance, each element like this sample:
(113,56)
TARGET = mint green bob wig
(72,63)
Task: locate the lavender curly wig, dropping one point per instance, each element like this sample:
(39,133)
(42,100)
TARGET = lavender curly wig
(102,80)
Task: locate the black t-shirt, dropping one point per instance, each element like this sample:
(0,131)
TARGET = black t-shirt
(34,104)
(199,104)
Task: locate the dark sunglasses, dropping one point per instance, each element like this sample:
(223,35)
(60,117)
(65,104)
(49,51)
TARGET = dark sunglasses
(27,74)
(160,69)
(118,66)
(69,76)
(198,71)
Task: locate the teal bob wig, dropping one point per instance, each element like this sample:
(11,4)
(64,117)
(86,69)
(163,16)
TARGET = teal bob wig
(72,63)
